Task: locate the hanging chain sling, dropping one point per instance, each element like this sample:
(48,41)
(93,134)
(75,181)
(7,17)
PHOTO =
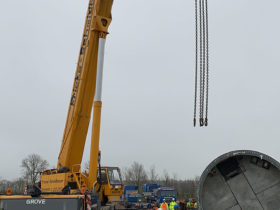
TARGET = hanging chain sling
(202,30)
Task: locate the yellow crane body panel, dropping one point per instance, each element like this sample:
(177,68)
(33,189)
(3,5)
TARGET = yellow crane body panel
(55,182)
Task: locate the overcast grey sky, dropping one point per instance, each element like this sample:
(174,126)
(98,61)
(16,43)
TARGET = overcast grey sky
(148,81)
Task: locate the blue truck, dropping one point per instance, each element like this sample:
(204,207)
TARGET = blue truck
(149,192)
(130,194)
(167,193)
(149,188)
(154,193)
(132,199)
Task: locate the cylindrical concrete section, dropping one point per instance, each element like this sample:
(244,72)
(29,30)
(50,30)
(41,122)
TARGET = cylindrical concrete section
(238,180)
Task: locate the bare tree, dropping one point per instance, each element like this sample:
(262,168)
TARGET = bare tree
(135,175)
(17,186)
(31,167)
(174,180)
(3,186)
(166,178)
(153,176)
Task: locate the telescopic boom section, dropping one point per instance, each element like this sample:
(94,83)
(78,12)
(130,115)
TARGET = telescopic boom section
(96,28)
(94,150)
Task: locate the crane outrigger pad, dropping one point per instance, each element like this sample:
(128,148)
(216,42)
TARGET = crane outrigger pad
(240,180)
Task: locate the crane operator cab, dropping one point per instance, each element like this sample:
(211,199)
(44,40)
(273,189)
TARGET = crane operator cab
(110,184)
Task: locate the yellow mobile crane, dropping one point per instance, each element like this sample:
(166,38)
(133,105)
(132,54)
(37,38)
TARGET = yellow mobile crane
(86,93)
(67,181)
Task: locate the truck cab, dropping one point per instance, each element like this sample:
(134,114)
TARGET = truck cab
(167,193)
(149,192)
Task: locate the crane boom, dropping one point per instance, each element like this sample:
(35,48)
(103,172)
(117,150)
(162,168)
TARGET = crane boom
(68,178)
(96,26)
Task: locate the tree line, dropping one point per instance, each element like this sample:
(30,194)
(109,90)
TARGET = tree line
(31,167)
(135,174)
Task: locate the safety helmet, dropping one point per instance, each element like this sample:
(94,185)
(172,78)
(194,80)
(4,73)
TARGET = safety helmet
(173,199)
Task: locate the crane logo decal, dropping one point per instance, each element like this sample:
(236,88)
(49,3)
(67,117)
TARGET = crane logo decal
(76,85)
(36,202)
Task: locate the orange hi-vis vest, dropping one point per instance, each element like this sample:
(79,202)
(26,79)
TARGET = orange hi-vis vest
(164,206)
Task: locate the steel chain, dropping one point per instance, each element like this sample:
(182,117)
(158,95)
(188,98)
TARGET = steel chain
(207,64)
(201,62)
(196,63)
(203,49)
